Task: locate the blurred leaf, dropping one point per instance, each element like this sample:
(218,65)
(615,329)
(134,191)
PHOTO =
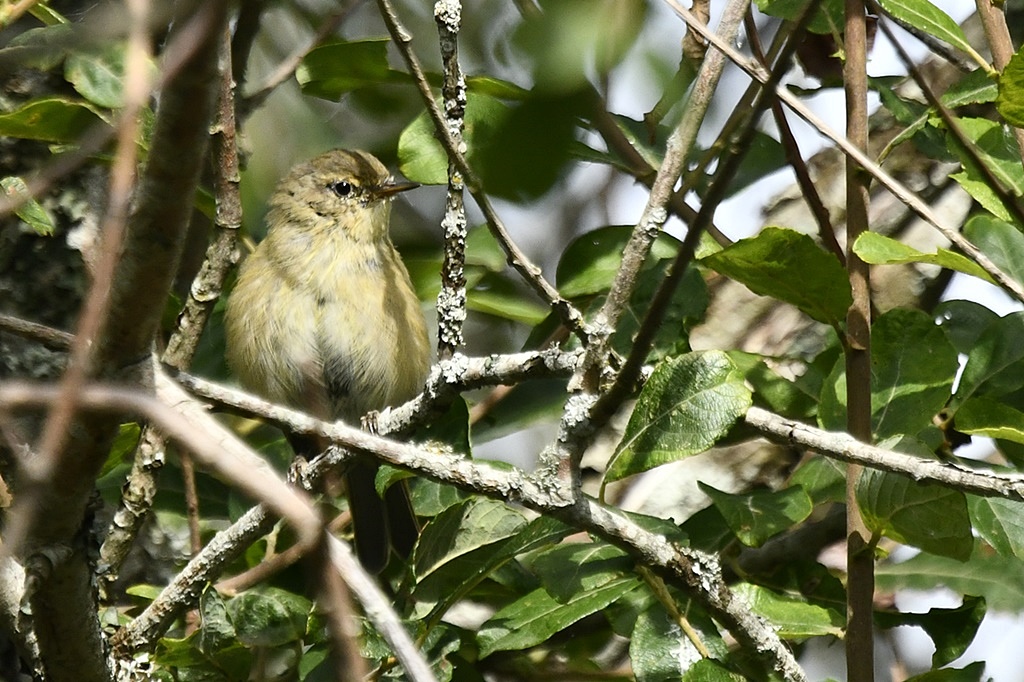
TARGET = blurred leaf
(912,371)
(461,529)
(499,296)
(572,568)
(709,670)
(964,322)
(999,522)
(535,617)
(98,74)
(50,119)
(569,39)
(483,249)
(952,630)
(823,479)
(495,87)
(780,395)
(659,651)
(828,17)
(217,631)
(422,158)
(1000,241)
(329,71)
(925,16)
(40,48)
(878,249)
(269,616)
(1010,102)
(451,581)
(759,515)
(588,265)
(971,673)
(530,148)
(789,266)
(985,416)
(792,618)
(999,579)
(688,403)
(764,156)
(29,210)
(927,516)
(997,150)
(995,365)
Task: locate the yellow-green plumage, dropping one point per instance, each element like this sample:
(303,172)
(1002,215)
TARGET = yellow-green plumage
(323,316)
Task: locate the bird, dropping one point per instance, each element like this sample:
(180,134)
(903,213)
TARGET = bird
(324,318)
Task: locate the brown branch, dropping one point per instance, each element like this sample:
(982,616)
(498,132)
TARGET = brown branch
(860,589)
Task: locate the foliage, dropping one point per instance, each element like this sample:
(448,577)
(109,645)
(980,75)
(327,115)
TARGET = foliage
(494,589)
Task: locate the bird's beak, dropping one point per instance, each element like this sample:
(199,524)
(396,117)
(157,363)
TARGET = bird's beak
(392,188)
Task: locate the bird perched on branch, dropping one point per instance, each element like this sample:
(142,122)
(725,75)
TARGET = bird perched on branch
(324,318)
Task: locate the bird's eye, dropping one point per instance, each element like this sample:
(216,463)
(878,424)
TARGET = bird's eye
(341,188)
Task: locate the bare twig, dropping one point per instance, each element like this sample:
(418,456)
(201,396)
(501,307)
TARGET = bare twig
(532,274)
(860,655)
(908,198)
(451,300)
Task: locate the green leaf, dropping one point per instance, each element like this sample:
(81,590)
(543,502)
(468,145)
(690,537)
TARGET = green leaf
(922,14)
(1000,241)
(50,119)
(422,158)
(822,478)
(792,399)
(499,296)
(755,517)
(1010,102)
(881,250)
(998,151)
(449,582)
(98,74)
(483,249)
(930,517)
(964,322)
(972,673)
(461,529)
(789,266)
(912,371)
(995,365)
(217,631)
(574,568)
(588,265)
(952,630)
(999,579)
(984,416)
(709,670)
(828,17)
(658,649)
(269,617)
(536,616)
(29,210)
(688,403)
(792,618)
(331,70)
(1000,523)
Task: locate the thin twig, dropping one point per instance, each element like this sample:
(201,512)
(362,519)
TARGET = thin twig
(451,300)
(570,316)
(1007,199)
(826,231)
(898,190)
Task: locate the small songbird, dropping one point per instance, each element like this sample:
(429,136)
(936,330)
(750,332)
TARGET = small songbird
(324,318)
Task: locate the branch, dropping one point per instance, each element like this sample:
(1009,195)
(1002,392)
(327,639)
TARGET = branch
(697,573)
(846,448)
(570,316)
(898,190)
(451,300)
